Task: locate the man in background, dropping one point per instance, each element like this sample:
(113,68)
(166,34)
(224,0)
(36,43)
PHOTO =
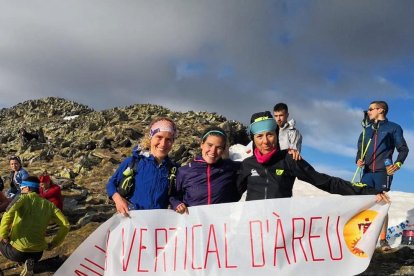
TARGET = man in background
(378,141)
(289,137)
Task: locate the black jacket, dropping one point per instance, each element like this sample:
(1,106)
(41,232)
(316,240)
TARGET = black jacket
(274,179)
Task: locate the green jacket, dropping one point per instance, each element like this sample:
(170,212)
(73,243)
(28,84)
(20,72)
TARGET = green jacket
(25,224)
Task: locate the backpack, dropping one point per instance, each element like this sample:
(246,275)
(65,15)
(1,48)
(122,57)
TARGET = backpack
(126,186)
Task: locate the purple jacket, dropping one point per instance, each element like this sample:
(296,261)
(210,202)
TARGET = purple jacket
(199,183)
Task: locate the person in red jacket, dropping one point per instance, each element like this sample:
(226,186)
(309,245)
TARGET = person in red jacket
(50,191)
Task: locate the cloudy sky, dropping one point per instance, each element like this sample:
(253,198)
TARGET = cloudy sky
(326,59)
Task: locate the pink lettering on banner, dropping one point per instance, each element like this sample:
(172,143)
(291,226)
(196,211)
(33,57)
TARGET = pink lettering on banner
(299,238)
(311,237)
(193,266)
(340,257)
(80,273)
(279,230)
(160,248)
(260,243)
(175,247)
(226,249)
(252,246)
(142,247)
(125,265)
(185,247)
(212,234)
(91,266)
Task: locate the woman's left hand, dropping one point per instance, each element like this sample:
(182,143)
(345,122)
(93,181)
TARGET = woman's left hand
(181,208)
(295,154)
(383,197)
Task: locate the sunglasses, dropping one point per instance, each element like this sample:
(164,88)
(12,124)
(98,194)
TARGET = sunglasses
(370,109)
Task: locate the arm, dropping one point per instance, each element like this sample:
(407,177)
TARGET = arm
(53,192)
(64,227)
(24,174)
(242,179)
(177,193)
(402,148)
(8,217)
(295,140)
(121,203)
(112,184)
(358,156)
(401,145)
(334,185)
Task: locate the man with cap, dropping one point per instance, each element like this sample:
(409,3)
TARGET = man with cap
(260,184)
(23,227)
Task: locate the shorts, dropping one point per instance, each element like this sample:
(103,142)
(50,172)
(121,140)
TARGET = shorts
(380,181)
(9,252)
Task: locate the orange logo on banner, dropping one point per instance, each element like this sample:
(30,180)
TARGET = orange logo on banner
(355,228)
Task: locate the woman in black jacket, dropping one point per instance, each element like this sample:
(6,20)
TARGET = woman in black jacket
(269,172)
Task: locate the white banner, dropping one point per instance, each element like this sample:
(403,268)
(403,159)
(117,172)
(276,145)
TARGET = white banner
(334,235)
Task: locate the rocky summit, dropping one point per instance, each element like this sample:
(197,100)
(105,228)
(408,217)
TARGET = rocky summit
(81,148)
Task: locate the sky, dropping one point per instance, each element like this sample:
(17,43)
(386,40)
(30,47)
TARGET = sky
(326,59)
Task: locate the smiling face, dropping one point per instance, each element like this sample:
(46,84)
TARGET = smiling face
(161,144)
(265,142)
(14,165)
(212,148)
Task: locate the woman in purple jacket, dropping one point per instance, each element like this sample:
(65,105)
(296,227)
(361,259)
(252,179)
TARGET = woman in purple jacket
(208,179)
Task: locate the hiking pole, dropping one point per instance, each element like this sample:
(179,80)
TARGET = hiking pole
(362,158)
(364,123)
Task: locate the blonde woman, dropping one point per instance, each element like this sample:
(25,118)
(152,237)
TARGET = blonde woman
(151,170)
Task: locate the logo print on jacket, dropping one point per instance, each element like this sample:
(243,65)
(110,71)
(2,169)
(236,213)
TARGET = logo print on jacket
(279,171)
(254,172)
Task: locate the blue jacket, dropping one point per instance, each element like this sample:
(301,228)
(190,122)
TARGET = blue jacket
(151,182)
(384,139)
(199,183)
(16,181)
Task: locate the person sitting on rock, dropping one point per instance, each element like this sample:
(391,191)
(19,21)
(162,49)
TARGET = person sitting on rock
(23,227)
(50,191)
(17,174)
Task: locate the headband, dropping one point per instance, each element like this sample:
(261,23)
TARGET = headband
(262,124)
(163,125)
(31,184)
(214,131)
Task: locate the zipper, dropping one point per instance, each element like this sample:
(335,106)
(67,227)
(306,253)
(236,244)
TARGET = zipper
(375,151)
(208,184)
(267,184)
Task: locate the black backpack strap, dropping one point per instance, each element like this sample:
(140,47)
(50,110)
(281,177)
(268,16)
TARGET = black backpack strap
(172,177)
(133,164)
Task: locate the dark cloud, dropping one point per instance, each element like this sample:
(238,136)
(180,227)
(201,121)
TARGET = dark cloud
(245,55)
